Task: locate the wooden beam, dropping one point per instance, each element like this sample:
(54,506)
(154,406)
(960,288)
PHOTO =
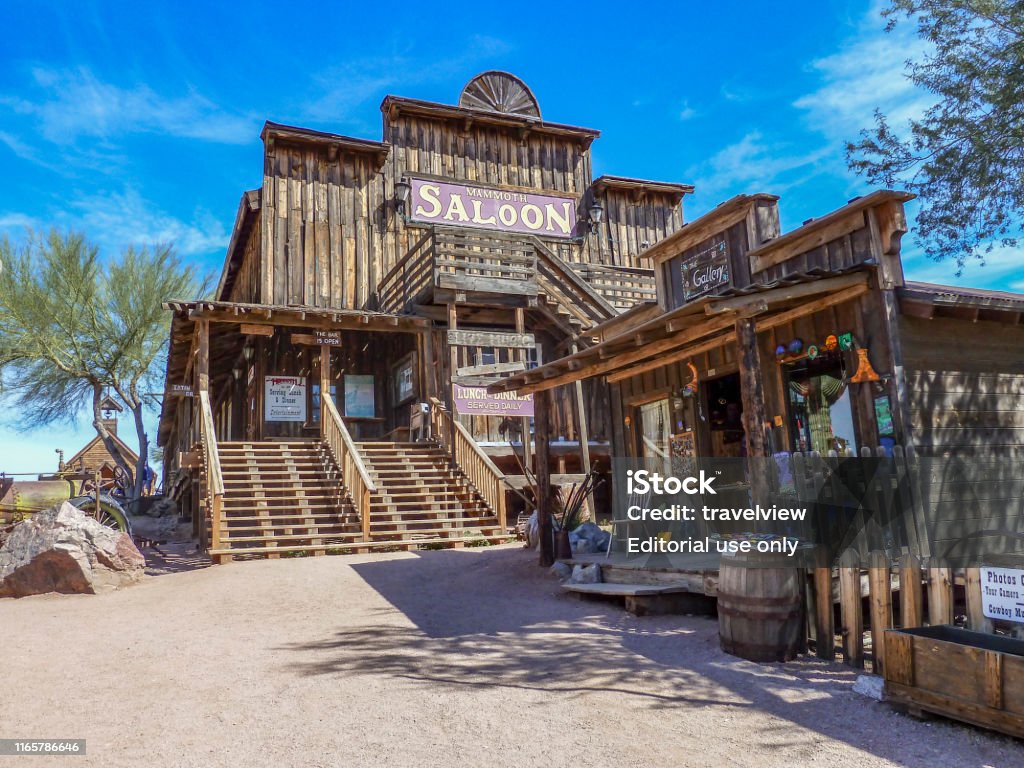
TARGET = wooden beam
(674,357)
(787,293)
(256,329)
(492,369)
(524,423)
(325,387)
(771,254)
(203,357)
(706,328)
(584,436)
(542,418)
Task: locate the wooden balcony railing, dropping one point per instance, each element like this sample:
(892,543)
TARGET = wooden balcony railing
(214,482)
(353,469)
(412,276)
(464,260)
(622,287)
(470,458)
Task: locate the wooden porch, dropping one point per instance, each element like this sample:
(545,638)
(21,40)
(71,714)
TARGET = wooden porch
(306,484)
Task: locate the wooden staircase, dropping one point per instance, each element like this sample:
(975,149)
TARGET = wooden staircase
(421,499)
(281,498)
(288,498)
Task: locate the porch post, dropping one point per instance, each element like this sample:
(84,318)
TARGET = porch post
(542,406)
(325,386)
(584,433)
(752,396)
(203,356)
(525,422)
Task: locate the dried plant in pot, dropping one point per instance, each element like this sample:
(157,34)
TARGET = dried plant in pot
(570,512)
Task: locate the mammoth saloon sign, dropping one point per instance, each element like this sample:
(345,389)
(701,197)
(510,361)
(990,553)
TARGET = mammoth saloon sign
(470,205)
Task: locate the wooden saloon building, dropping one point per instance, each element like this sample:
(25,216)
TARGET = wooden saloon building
(403,277)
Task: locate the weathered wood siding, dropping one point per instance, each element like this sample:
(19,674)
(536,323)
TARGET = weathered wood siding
(629,223)
(966,386)
(246,286)
(321,220)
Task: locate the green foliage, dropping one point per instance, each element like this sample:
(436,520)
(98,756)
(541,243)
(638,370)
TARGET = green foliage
(965,157)
(73,325)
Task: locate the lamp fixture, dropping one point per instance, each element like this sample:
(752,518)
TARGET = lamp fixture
(596,212)
(247,352)
(403,191)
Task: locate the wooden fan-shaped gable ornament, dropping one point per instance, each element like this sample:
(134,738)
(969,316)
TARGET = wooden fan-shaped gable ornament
(496,91)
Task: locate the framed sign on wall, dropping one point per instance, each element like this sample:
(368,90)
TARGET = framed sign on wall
(284,398)
(403,376)
(359,396)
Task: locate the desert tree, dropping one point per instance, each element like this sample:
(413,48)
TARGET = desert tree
(74,327)
(964,158)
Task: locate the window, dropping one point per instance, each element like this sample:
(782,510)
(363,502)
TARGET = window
(821,414)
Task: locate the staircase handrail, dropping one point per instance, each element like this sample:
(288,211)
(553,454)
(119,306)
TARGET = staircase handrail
(546,257)
(214,474)
(353,469)
(485,476)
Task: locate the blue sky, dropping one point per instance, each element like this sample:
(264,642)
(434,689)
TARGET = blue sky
(143,126)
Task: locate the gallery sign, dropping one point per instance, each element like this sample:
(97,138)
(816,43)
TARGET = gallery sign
(477,401)
(705,271)
(284,398)
(471,205)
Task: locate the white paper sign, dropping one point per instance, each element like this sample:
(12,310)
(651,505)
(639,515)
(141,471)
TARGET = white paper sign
(284,398)
(1002,593)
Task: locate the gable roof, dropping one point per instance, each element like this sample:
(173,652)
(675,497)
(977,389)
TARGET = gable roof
(95,453)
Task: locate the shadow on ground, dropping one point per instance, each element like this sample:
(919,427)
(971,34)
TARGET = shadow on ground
(486,620)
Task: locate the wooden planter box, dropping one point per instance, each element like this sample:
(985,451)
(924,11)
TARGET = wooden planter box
(969,676)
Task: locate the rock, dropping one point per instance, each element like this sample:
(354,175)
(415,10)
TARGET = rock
(533,531)
(580,546)
(596,539)
(586,574)
(157,507)
(871,686)
(65,550)
(562,570)
(158,529)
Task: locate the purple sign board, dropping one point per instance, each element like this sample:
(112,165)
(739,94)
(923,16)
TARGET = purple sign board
(477,401)
(469,205)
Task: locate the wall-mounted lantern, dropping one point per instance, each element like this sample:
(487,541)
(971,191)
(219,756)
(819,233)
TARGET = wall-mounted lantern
(596,212)
(403,191)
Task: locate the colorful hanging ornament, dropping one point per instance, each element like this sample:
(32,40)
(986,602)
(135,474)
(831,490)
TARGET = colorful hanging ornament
(864,372)
(780,351)
(831,342)
(846,341)
(795,346)
(812,352)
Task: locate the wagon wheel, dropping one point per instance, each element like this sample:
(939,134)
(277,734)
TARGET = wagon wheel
(109,513)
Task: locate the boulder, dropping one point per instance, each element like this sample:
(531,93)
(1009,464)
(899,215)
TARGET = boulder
(562,570)
(586,574)
(589,538)
(65,550)
(533,531)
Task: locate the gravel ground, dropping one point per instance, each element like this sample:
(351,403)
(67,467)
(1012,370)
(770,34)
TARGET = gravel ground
(467,657)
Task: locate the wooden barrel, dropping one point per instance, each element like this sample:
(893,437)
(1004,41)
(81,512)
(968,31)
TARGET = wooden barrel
(760,609)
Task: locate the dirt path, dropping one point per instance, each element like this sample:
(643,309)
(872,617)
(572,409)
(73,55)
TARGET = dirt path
(448,658)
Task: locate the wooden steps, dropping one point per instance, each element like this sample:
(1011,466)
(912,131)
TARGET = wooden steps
(419,493)
(287,498)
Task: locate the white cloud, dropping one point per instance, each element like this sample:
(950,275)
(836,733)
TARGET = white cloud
(341,90)
(686,112)
(17,221)
(867,73)
(68,105)
(755,164)
(119,219)
(1002,269)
